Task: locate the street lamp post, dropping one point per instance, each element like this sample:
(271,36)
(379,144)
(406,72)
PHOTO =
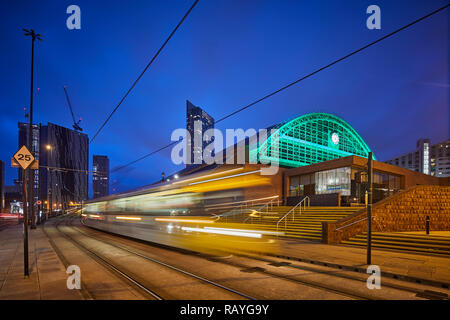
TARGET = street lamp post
(31,172)
(49,179)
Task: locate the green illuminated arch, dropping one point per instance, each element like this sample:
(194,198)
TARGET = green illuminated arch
(311,138)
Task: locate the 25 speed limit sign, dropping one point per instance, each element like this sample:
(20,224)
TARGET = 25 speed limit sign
(24,157)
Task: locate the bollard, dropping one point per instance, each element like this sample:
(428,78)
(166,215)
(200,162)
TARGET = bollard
(428,224)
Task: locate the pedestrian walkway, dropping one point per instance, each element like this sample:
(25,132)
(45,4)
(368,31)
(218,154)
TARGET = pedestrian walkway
(48,276)
(405,265)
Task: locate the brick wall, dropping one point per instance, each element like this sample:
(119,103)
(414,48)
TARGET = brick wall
(273,186)
(405,211)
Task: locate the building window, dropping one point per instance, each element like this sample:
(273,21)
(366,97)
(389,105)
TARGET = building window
(333,181)
(426,168)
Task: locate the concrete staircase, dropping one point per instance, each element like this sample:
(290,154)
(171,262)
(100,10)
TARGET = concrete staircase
(399,222)
(405,241)
(307,225)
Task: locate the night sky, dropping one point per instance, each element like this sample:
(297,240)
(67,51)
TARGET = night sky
(225,55)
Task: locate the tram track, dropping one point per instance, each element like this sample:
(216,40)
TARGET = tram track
(337,273)
(359,279)
(88,294)
(128,275)
(313,284)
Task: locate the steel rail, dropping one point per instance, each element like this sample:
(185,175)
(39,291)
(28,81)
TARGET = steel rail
(168,266)
(300,281)
(317,269)
(110,265)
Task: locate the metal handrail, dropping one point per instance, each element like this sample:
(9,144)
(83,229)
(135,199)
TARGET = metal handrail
(243,203)
(354,222)
(270,203)
(348,225)
(247,204)
(293,211)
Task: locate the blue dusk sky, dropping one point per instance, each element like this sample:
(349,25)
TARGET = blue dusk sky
(224,56)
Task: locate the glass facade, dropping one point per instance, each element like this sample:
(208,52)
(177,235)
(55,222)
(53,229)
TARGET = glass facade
(333,181)
(100,176)
(428,159)
(351,183)
(194,114)
(64,161)
(2,184)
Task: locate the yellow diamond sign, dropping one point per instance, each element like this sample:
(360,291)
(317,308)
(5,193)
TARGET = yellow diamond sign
(24,157)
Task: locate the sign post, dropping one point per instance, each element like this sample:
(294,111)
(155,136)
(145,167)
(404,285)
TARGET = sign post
(24,159)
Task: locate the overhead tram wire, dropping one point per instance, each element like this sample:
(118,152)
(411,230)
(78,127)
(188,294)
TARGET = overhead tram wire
(296,81)
(145,69)
(72,170)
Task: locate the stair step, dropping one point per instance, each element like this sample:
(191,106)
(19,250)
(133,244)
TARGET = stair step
(406,240)
(403,248)
(402,243)
(302,237)
(318,230)
(412,236)
(307,225)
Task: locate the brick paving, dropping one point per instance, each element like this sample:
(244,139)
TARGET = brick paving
(422,266)
(48,276)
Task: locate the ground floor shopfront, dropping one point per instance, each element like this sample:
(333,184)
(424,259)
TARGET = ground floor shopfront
(344,181)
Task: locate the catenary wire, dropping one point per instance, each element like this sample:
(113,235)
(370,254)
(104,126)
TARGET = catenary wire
(293,83)
(145,69)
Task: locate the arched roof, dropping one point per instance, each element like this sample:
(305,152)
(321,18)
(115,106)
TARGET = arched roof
(311,138)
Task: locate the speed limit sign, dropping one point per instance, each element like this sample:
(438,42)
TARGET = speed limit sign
(23,157)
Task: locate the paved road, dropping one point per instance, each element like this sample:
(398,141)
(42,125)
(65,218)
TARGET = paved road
(114,267)
(231,276)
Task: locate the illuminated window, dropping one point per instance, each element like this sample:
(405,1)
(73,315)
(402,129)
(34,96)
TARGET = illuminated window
(426,168)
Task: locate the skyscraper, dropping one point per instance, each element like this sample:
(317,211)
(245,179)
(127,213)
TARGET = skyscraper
(23,140)
(64,161)
(2,184)
(100,176)
(197,123)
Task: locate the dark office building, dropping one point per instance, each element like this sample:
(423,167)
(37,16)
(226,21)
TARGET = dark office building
(64,161)
(100,176)
(193,114)
(23,140)
(429,159)
(2,185)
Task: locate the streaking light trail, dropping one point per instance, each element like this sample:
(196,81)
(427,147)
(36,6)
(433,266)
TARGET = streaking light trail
(184,220)
(129,218)
(233,232)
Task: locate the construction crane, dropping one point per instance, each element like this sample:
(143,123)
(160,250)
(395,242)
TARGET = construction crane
(75,124)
